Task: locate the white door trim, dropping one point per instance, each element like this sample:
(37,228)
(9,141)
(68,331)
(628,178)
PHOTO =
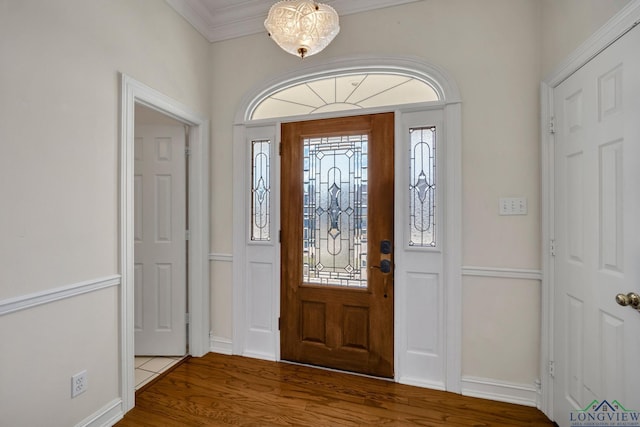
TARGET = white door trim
(449,104)
(615,28)
(198,286)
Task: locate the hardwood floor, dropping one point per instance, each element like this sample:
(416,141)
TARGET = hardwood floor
(218,390)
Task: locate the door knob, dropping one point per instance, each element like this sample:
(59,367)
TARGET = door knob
(631,299)
(385,266)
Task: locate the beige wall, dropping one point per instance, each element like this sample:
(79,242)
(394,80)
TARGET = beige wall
(59,130)
(568,23)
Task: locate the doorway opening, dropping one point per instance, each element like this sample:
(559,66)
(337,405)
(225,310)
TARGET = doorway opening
(196,290)
(161,226)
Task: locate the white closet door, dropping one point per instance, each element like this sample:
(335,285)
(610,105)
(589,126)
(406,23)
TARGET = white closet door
(597,230)
(160,241)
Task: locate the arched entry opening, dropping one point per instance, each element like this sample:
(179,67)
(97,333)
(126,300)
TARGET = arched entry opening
(425,104)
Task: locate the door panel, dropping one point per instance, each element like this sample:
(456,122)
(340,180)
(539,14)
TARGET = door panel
(337,208)
(160,244)
(597,206)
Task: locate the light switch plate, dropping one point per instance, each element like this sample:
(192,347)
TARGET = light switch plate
(513,206)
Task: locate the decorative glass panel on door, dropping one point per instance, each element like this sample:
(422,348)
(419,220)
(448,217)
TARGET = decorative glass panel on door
(335,211)
(260,190)
(422,187)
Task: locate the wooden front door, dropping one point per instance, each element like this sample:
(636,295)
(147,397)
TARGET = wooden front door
(337,232)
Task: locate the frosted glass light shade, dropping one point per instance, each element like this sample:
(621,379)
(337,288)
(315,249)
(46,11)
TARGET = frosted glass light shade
(302,27)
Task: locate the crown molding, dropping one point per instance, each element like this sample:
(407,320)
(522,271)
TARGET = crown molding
(218,20)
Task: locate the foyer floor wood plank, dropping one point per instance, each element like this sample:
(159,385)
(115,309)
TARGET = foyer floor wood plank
(219,390)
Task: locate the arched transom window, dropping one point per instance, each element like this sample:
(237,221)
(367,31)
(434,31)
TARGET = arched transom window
(345,92)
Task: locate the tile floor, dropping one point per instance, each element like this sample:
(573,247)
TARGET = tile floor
(149,368)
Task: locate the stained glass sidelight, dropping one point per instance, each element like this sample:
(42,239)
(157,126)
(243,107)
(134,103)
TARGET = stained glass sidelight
(335,211)
(422,187)
(260,190)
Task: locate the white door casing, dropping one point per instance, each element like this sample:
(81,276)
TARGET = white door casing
(597,206)
(160,241)
(430,356)
(198,269)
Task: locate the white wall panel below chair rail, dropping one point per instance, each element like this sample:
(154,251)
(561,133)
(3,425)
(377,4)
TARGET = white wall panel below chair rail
(23,302)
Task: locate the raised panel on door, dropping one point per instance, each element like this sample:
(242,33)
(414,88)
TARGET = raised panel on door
(160,242)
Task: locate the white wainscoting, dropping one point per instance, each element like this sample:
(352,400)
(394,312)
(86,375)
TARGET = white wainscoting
(217,344)
(24,302)
(111,412)
(484,388)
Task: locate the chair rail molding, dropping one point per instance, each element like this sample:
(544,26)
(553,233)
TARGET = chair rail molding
(24,302)
(502,273)
(222,257)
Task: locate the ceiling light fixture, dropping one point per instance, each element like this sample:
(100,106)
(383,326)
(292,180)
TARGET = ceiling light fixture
(302,27)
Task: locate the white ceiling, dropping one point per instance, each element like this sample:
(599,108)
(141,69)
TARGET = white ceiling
(226,19)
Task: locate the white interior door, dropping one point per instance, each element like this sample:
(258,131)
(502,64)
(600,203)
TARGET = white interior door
(597,233)
(160,241)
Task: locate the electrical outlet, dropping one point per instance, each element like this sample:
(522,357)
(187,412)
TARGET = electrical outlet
(79,383)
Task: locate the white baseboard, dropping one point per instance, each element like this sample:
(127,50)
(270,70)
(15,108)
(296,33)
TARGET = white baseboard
(259,355)
(220,345)
(421,383)
(105,417)
(520,394)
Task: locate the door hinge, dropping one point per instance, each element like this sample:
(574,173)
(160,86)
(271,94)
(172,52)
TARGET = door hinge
(552,247)
(187,318)
(552,369)
(187,151)
(187,235)
(280,148)
(279,323)
(552,124)
(279,236)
